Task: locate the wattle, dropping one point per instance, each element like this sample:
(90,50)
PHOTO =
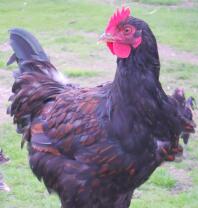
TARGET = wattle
(120,50)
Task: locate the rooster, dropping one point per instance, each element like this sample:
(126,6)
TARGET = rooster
(94,146)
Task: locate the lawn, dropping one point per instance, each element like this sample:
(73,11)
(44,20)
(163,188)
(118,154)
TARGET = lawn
(69,30)
(161,2)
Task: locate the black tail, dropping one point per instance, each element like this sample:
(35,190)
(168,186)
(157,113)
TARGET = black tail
(36,82)
(25,47)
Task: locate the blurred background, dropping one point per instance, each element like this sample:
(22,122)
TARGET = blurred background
(68,30)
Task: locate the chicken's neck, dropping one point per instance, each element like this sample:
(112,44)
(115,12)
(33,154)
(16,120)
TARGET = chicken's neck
(139,106)
(138,75)
(137,78)
(138,102)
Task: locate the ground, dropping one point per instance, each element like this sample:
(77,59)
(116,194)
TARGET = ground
(69,30)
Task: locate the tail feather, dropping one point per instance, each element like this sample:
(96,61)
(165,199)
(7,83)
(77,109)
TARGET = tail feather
(25,46)
(36,82)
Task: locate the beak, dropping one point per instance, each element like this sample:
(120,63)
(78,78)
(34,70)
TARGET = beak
(106,37)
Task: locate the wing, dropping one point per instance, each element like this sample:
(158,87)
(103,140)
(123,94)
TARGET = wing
(70,119)
(75,126)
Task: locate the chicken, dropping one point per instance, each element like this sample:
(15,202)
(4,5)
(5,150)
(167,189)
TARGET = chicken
(94,146)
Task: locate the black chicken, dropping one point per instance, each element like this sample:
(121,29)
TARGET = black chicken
(94,146)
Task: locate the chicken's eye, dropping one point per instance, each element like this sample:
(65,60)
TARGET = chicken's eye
(127,30)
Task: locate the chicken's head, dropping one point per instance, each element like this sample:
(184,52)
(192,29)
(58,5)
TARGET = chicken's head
(121,35)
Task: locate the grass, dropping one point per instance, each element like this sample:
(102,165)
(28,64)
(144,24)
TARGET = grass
(194,150)
(2,64)
(194,175)
(174,34)
(160,2)
(156,198)
(69,30)
(80,73)
(185,74)
(162,178)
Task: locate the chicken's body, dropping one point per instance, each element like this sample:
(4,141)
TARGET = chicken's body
(75,147)
(94,146)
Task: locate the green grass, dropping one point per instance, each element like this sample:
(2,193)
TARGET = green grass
(194,175)
(185,74)
(156,198)
(80,73)
(3,59)
(193,149)
(2,64)
(168,25)
(160,2)
(162,178)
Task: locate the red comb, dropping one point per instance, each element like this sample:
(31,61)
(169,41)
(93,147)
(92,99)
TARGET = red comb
(118,16)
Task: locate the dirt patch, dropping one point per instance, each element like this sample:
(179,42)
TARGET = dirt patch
(185,4)
(168,53)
